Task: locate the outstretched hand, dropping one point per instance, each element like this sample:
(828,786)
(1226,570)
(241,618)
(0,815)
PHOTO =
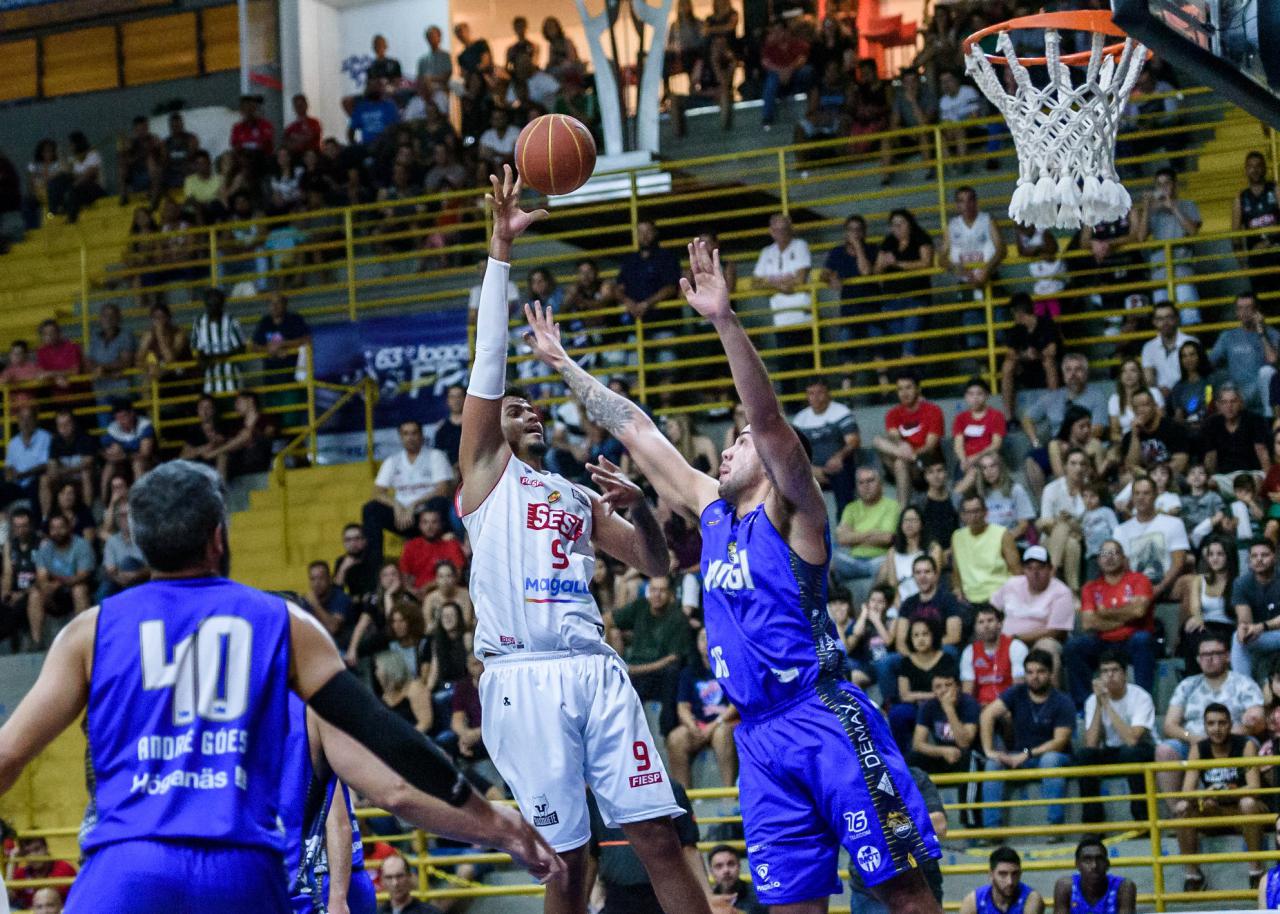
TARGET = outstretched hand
(618,491)
(543,335)
(509,220)
(708,294)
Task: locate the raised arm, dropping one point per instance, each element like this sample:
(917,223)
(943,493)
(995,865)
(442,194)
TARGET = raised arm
(671,476)
(483,451)
(798,500)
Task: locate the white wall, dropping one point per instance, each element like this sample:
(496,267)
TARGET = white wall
(334,39)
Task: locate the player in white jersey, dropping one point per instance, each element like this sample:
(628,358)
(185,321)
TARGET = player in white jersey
(560,714)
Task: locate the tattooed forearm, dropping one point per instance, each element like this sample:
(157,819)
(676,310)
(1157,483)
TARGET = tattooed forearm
(611,411)
(653,543)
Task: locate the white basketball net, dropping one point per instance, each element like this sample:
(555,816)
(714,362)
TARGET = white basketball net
(1065,134)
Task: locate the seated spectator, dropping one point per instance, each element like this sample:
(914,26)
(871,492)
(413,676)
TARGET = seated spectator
(1043,720)
(655,638)
(19,571)
(984,555)
(128,445)
(435,542)
(450,640)
(39,869)
(530,88)
(1008,504)
(827,109)
(405,636)
(370,633)
(1162,354)
(64,572)
(785,58)
(906,248)
(869,109)
(1120,723)
(1235,440)
(206,437)
(1091,887)
(399,881)
(1153,439)
(1046,415)
(253,137)
(304,132)
(163,344)
(973,248)
(1248,353)
(1255,597)
(1191,400)
(111,349)
(1038,608)
(497,145)
(866,530)
(1033,345)
(834,439)
(1099,524)
(466,719)
(976,431)
(123,564)
(913,431)
(868,638)
(372,114)
(1202,507)
(59,358)
(448,588)
(26,459)
(946,728)
(562,57)
(403,693)
(1046,267)
(249,449)
(994,661)
(71,453)
(923,658)
(783,265)
(914,105)
(707,721)
(1062,509)
(1155,544)
(46,901)
(331,607)
(353,571)
(958,102)
(725,864)
(1216,682)
(1206,599)
(1006,891)
(72,190)
(1220,743)
(1166,217)
(648,275)
(909,543)
(67,503)
(938,513)
(406,482)
(1116,610)
(201,189)
(20,369)
(1129,381)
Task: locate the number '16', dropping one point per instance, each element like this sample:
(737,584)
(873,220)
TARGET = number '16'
(208,672)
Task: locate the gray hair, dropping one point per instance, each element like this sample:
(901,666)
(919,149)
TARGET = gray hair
(173,511)
(395,672)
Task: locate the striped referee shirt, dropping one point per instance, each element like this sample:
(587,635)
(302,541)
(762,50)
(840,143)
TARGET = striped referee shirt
(213,338)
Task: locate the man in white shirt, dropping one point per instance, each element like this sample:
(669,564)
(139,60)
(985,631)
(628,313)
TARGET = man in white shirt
(1156,544)
(1160,360)
(958,102)
(973,247)
(784,266)
(498,144)
(408,481)
(1120,723)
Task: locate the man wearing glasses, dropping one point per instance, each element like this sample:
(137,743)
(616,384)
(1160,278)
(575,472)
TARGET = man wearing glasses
(1215,683)
(399,883)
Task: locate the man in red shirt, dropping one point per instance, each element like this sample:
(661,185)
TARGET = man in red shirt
(421,555)
(913,430)
(1117,608)
(993,662)
(253,135)
(47,869)
(305,131)
(785,58)
(59,359)
(976,431)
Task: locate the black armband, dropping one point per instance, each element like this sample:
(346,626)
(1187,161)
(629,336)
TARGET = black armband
(349,706)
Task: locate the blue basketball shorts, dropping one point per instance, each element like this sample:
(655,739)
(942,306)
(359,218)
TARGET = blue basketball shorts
(820,772)
(167,877)
(361,895)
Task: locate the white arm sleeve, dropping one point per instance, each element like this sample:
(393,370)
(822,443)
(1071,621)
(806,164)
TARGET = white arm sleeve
(489,368)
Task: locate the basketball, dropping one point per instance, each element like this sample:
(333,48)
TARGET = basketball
(555,154)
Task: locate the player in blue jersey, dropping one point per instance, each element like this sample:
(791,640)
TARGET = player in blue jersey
(819,768)
(1269,887)
(324,856)
(1006,893)
(1093,890)
(185,681)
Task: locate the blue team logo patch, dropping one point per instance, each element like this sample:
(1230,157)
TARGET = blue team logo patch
(868,858)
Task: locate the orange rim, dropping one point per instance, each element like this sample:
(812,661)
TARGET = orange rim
(1072,20)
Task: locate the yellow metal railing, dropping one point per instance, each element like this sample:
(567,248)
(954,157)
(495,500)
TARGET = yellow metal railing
(1154,827)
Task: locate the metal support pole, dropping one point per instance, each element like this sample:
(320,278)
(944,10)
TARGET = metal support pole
(313,446)
(635,211)
(640,385)
(782,182)
(349,232)
(84,296)
(989,313)
(942,181)
(1153,819)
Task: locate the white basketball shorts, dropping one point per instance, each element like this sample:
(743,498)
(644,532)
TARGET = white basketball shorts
(557,723)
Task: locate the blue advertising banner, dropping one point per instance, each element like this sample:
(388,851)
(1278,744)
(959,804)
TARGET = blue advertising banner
(411,358)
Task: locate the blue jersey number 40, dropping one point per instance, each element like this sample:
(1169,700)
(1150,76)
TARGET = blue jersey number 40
(208,670)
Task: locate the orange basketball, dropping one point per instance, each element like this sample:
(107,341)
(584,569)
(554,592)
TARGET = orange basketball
(555,154)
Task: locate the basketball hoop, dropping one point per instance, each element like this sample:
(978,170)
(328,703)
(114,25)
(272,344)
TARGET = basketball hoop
(1065,134)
